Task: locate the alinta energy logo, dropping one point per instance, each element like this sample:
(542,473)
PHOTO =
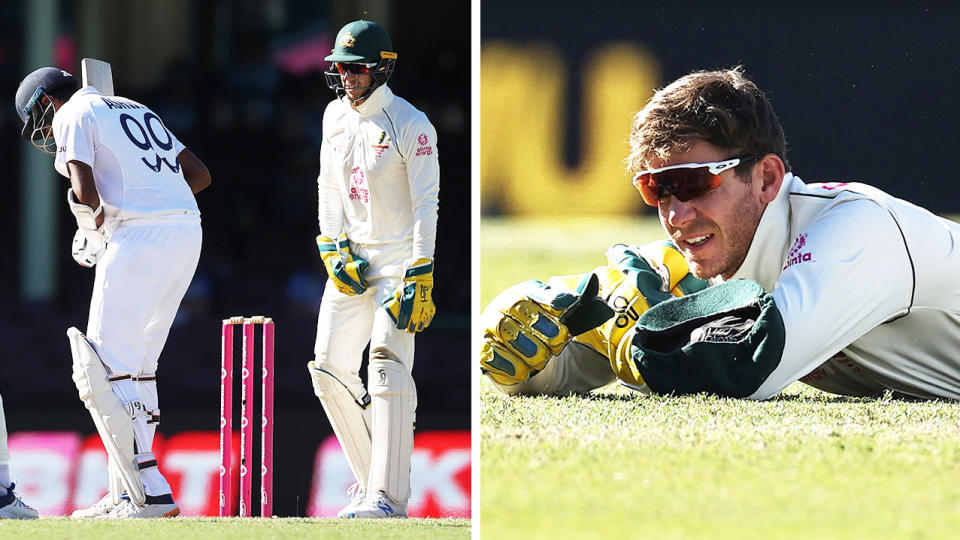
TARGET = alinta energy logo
(797,253)
(424,150)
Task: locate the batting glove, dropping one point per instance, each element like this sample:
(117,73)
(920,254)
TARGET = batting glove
(411,304)
(343,267)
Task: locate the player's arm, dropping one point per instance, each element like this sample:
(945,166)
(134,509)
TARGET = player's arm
(423,175)
(85,189)
(411,304)
(194,171)
(330,212)
(737,340)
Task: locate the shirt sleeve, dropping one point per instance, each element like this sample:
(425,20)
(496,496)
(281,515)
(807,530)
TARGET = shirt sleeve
(423,175)
(75,132)
(847,273)
(330,206)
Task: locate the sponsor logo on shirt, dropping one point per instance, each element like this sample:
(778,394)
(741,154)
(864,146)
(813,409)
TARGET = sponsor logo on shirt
(798,252)
(359,191)
(424,150)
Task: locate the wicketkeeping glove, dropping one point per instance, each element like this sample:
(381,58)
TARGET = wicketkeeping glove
(411,304)
(531,322)
(343,267)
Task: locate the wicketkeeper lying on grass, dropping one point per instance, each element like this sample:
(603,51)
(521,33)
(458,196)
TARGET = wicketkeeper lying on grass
(840,286)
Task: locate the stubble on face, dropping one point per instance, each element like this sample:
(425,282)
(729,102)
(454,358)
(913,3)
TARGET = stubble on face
(729,218)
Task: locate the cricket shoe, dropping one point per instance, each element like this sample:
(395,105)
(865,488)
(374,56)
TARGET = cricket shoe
(156,506)
(100,508)
(357,496)
(379,506)
(13,507)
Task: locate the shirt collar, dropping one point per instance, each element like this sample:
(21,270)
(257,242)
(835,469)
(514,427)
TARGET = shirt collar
(771,241)
(379,98)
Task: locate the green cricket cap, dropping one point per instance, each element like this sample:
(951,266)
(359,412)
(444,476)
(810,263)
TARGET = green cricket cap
(362,41)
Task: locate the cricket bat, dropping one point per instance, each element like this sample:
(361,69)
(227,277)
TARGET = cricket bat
(97,73)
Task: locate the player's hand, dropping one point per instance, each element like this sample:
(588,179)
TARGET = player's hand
(87,248)
(343,267)
(636,279)
(531,322)
(411,304)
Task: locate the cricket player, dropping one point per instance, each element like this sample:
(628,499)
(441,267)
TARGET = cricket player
(11,506)
(378,189)
(132,186)
(840,286)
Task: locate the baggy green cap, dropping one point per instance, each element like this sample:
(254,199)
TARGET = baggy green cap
(362,41)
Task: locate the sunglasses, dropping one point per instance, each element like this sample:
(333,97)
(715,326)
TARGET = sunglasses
(355,69)
(685,181)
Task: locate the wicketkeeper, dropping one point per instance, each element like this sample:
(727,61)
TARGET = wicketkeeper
(840,286)
(132,186)
(378,189)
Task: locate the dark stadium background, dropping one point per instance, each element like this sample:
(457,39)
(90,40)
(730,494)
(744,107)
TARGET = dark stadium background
(865,91)
(213,72)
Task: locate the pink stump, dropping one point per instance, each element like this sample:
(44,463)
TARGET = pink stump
(266,426)
(226,418)
(246,420)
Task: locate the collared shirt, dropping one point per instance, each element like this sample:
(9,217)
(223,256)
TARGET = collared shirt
(379,176)
(869,289)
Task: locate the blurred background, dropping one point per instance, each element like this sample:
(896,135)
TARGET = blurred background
(865,92)
(241,84)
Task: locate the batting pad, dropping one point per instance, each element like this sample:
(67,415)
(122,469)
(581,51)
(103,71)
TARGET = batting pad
(349,416)
(114,423)
(393,411)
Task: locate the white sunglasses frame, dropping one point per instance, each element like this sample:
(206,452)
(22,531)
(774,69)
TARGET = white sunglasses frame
(715,167)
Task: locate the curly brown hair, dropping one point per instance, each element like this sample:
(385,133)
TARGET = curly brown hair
(723,108)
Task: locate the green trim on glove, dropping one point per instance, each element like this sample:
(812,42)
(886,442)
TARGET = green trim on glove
(411,305)
(343,267)
(726,340)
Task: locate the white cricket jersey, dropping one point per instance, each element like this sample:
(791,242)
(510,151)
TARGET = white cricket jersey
(132,153)
(869,289)
(379,173)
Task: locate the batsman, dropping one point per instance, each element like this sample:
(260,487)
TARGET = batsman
(764,280)
(132,186)
(378,197)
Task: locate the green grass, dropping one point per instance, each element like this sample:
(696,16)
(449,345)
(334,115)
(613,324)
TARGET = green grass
(620,464)
(215,528)
(515,250)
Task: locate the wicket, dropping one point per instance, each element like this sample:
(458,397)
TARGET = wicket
(246,416)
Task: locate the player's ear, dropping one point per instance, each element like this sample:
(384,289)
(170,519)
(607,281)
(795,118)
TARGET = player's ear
(769,171)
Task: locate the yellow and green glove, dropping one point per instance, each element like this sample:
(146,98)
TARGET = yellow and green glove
(343,267)
(411,304)
(531,322)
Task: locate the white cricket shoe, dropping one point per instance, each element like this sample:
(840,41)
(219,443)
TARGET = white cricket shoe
(357,496)
(100,508)
(379,506)
(160,507)
(13,507)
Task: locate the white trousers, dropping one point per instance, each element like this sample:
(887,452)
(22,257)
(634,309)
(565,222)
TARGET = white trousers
(347,323)
(344,327)
(139,284)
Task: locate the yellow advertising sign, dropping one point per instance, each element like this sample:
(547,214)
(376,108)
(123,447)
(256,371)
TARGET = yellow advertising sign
(523,93)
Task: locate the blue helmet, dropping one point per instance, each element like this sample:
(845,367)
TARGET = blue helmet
(33,113)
